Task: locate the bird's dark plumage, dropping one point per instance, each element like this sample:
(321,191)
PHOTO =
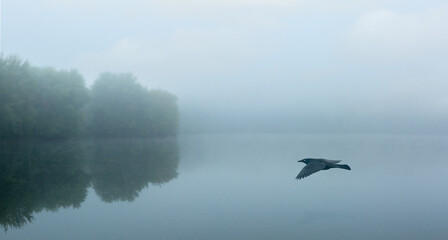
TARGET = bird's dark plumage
(316,164)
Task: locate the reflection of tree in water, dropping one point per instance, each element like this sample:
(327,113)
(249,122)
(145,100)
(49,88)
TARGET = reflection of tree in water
(36,176)
(121,168)
(49,175)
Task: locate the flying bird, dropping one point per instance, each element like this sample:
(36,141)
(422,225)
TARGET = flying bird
(316,164)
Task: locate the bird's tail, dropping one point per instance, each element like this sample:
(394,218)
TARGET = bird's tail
(344,166)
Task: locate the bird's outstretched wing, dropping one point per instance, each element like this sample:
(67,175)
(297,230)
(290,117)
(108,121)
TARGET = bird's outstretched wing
(310,169)
(332,161)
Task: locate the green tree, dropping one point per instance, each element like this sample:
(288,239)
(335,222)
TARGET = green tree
(39,102)
(16,96)
(58,101)
(164,114)
(121,107)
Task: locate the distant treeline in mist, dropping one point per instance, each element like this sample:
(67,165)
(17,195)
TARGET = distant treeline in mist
(49,104)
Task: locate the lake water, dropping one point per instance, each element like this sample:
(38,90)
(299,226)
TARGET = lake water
(225,186)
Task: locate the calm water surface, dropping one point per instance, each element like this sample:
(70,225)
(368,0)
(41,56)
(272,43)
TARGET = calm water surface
(226,186)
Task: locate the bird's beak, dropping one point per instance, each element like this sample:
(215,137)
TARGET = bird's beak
(300,160)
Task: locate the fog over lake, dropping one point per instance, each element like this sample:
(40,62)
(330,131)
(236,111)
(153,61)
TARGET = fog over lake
(395,190)
(185,119)
(241,65)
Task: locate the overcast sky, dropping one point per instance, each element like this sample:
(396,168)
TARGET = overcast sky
(330,59)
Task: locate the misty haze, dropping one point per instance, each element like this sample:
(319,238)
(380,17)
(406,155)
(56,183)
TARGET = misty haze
(148,119)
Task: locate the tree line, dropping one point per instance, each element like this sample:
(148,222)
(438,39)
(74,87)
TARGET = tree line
(45,103)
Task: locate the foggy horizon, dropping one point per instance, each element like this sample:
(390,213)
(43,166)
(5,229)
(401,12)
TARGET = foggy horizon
(185,119)
(370,67)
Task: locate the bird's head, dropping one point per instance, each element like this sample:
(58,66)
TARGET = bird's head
(305,160)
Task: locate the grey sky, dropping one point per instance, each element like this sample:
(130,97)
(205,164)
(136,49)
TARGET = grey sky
(331,59)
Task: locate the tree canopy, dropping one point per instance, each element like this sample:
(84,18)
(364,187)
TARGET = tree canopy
(46,103)
(39,102)
(122,107)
